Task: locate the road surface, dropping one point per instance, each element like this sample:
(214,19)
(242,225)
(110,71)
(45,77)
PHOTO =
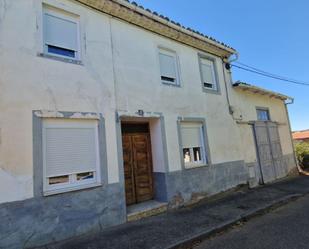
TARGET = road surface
(284,228)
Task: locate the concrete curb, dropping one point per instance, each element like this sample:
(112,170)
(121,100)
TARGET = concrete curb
(187,242)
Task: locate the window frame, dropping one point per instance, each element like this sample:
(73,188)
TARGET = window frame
(217,89)
(169,52)
(73,184)
(205,148)
(265,109)
(65,15)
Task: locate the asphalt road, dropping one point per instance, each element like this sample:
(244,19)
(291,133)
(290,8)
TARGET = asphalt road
(284,228)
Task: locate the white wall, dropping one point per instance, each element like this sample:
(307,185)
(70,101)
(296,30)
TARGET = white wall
(29,82)
(245,104)
(138,86)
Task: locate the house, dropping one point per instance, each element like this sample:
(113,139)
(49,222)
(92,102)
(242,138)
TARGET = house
(301,136)
(105,105)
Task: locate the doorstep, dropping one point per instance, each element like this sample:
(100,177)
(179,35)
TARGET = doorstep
(145,209)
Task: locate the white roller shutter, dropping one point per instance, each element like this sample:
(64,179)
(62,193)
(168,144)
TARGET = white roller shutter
(167,65)
(191,135)
(60,32)
(208,72)
(70,150)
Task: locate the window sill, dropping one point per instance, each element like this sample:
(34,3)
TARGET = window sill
(170,84)
(58,58)
(209,90)
(71,189)
(188,167)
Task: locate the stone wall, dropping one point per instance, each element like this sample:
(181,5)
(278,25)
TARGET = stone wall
(180,187)
(42,220)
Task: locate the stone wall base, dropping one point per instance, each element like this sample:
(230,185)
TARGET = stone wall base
(42,220)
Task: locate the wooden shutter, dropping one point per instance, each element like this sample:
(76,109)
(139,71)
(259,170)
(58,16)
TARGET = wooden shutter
(70,150)
(60,32)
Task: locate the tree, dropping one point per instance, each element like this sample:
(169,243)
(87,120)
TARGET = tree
(302,151)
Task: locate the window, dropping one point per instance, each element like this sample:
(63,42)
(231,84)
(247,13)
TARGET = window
(208,74)
(70,155)
(263,114)
(168,67)
(61,33)
(193,145)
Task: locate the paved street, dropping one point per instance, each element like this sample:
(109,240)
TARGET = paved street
(283,228)
(181,227)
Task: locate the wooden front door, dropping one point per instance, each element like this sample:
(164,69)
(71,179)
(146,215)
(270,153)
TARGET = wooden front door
(137,167)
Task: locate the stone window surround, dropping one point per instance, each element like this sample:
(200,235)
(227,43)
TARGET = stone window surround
(71,9)
(207,151)
(68,17)
(178,69)
(213,59)
(37,129)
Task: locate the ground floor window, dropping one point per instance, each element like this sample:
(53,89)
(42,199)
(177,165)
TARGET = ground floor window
(193,144)
(70,155)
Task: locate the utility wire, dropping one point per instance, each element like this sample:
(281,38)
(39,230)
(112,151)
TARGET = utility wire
(269,75)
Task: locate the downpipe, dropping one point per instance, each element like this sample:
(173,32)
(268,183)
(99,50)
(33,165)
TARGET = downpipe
(291,102)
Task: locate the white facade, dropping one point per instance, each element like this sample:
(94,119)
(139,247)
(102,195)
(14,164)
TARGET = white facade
(76,75)
(118,70)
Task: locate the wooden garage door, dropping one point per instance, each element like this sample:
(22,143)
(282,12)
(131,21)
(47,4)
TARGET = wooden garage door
(137,167)
(269,151)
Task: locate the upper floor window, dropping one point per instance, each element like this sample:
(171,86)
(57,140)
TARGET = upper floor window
(208,74)
(168,67)
(61,33)
(263,114)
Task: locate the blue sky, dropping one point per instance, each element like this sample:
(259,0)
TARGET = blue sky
(272,35)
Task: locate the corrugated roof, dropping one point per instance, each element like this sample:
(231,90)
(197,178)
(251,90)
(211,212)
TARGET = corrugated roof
(300,135)
(258,90)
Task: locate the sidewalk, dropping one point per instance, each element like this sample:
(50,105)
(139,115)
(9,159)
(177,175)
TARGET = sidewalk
(172,229)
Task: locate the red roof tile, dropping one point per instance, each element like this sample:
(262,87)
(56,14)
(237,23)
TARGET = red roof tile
(299,135)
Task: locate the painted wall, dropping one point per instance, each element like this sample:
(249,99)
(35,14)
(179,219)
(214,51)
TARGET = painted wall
(30,82)
(138,86)
(119,72)
(245,104)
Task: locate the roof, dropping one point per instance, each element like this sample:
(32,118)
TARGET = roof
(257,90)
(300,135)
(136,14)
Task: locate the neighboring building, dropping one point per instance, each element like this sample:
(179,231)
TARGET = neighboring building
(301,136)
(105,105)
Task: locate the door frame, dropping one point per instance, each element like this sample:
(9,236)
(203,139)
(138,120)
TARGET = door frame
(267,126)
(160,190)
(149,152)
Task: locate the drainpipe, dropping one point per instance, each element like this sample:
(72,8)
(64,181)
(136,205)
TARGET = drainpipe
(226,62)
(291,137)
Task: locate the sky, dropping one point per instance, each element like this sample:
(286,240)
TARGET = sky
(271,35)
